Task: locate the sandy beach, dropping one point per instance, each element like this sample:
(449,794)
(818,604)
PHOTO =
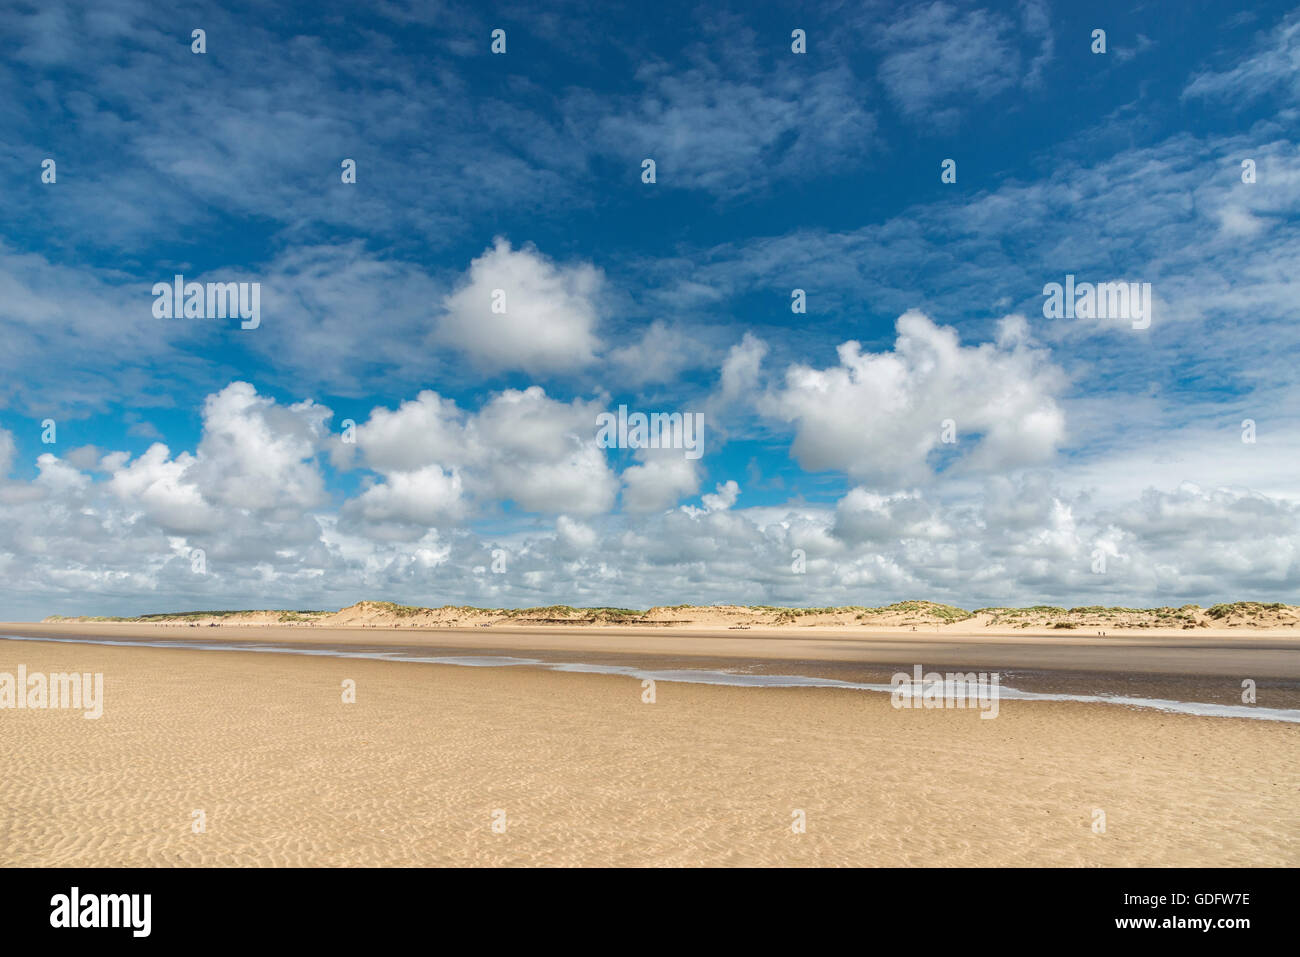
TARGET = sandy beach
(582,772)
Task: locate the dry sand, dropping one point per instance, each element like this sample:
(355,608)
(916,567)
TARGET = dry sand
(589,775)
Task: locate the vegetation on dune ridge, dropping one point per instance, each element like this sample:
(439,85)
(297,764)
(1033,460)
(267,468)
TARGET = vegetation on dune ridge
(1185,615)
(1243,607)
(541,611)
(392,607)
(186,615)
(913,607)
(562,611)
(568,611)
(1214,611)
(950,612)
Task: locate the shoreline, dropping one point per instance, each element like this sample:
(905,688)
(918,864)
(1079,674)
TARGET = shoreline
(1205,692)
(1261,654)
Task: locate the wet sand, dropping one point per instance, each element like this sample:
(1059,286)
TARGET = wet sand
(588,774)
(1166,664)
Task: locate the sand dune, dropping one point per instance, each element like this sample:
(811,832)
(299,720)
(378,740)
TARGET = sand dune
(907,615)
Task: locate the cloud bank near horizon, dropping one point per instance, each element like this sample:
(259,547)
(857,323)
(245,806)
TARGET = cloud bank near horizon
(886,404)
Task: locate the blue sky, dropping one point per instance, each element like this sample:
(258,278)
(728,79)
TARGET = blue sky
(476,476)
